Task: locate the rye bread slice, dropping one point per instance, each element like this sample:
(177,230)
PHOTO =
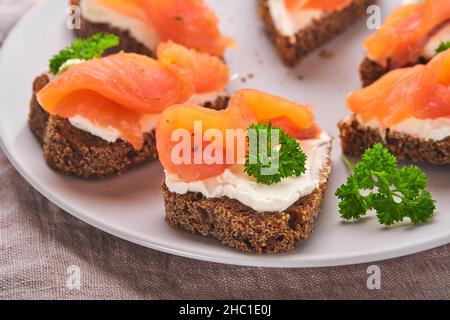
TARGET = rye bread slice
(127,42)
(371,71)
(293,49)
(355,139)
(75,152)
(239,226)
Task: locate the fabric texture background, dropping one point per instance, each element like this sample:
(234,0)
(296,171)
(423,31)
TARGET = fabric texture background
(39,243)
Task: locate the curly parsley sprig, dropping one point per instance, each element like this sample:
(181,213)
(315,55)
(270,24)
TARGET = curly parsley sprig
(443,46)
(84,49)
(394,194)
(269,162)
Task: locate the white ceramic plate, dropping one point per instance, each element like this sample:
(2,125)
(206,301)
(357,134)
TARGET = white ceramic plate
(131,206)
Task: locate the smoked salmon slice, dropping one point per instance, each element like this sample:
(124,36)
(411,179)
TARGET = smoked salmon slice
(327,5)
(117,90)
(183,119)
(104,112)
(421,92)
(263,107)
(404,34)
(190,23)
(134,81)
(246,107)
(210,74)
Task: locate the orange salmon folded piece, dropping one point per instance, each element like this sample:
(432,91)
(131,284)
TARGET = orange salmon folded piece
(421,92)
(188,22)
(296,120)
(134,81)
(246,107)
(404,34)
(327,5)
(117,90)
(210,74)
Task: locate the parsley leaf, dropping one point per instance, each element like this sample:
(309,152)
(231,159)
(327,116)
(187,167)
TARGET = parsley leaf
(270,161)
(394,194)
(84,49)
(443,46)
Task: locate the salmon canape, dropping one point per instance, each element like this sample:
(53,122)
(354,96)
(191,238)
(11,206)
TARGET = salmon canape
(219,183)
(143,24)
(408,110)
(97,117)
(412,34)
(298,27)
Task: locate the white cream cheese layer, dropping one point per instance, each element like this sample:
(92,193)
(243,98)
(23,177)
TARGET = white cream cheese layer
(94,12)
(109,134)
(427,129)
(429,51)
(236,184)
(288,23)
(201,99)
(71,62)
(148,122)
(443,35)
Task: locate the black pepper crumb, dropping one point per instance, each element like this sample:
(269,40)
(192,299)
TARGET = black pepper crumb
(326,54)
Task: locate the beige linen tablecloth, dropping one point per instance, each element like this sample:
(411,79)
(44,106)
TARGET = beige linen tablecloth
(42,248)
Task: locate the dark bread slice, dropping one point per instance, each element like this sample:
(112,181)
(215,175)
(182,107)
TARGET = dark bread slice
(239,226)
(355,139)
(371,71)
(293,49)
(76,152)
(38,117)
(127,42)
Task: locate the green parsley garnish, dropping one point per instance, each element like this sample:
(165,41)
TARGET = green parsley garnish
(286,153)
(443,46)
(84,49)
(377,184)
